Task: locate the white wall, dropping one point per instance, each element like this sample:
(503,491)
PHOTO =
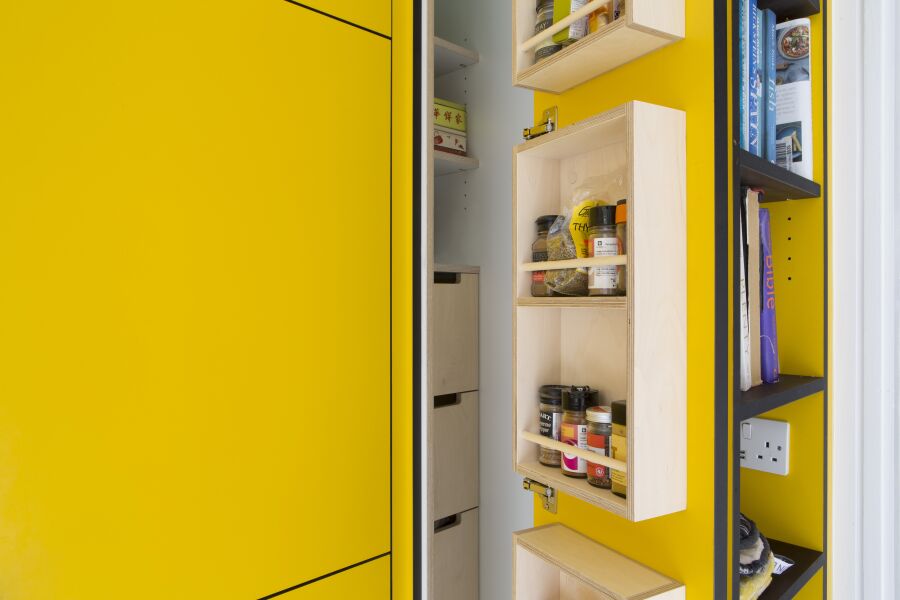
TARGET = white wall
(866,462)
(473,225)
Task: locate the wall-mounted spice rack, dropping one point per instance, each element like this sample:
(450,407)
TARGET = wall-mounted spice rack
(637,354)
(646,25)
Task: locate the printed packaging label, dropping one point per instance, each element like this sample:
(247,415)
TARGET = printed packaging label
(550,422)
(605,278)
(574,435)
(599,444)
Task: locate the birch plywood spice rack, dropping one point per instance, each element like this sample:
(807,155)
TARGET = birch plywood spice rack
(647,25)
(631,348)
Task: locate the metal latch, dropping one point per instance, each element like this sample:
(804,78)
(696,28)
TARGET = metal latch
(547,494)
(551,117)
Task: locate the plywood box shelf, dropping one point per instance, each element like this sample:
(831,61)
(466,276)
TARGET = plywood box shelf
(449,57)
(554,562)
(638,354)
(647,25)
(447,163)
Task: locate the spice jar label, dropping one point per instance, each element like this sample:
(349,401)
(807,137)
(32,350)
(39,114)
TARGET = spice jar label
(597,443)
(605,277)
(574,435)
(550,422)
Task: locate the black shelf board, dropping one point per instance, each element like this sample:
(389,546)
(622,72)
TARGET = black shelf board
(791,9)
(806,564)
(777,183)
(769,396)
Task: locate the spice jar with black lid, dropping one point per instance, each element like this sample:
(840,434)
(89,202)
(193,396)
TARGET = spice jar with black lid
(551,413)
(574,428)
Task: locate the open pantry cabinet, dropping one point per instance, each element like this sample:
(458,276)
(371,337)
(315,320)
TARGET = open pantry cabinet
(628,111)
(630,347)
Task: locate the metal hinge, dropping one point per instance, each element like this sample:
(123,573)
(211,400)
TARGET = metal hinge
(551,117)
(547,494)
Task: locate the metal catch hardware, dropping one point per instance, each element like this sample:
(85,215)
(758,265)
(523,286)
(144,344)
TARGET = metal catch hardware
(551,117)
(547,494)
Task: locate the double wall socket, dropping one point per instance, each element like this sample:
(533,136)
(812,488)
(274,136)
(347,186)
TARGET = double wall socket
(765,445)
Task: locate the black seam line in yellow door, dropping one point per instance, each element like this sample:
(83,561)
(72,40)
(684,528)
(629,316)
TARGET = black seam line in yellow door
(325,576)
(336,18)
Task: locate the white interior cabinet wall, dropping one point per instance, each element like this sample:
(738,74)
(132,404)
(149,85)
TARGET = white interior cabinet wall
(472,217)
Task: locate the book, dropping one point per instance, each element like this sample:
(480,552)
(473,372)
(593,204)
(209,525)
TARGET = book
(745,72)
(793,97)
(753,82)
(770,41)
(768,331)
(746,380)
(751,209)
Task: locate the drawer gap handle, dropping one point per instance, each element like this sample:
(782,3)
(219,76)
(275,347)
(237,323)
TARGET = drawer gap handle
(445,277)
(445,400)
(446,523)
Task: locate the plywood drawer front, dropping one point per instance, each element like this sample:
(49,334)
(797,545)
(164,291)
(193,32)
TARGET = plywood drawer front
(455,453)
(455,567)
(454,365)
(555,562)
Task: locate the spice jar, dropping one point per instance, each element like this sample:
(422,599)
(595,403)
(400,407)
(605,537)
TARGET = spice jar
(544,9)
(618,443)
(539,254)
(621,235)
(599,429)
(551,413)
(602,241)
(574,429)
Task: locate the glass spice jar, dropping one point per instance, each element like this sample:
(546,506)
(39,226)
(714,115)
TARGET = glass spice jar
(539,254)
(574,429)
(599,429)
(621,235)
(618,443)
(551,414)
(544,19)
(602,241)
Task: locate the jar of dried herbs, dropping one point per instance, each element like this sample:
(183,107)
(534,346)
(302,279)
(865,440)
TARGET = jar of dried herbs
(599,430)
(539,254)
(551,414)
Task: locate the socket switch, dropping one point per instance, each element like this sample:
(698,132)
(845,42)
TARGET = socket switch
(765,445)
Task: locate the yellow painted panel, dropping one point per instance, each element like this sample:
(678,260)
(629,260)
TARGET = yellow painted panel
(680,76)
(371,581)
(371,14)
(192,238)
(402,310)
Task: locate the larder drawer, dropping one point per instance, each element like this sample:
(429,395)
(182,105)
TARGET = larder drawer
(455,567)
(454,365)
(455,453)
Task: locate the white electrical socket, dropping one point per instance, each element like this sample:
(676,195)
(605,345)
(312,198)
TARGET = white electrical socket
(765,445)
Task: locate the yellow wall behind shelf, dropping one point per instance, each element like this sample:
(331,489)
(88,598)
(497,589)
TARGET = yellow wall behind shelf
(177,332)
(680,76)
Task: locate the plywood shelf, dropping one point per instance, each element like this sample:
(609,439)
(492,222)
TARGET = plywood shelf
(791,9)
(776,182)
(610,302)
(806,564)
(769,396)
(449,57)
(568,340)
(647,25)
(447,163)
(554,562)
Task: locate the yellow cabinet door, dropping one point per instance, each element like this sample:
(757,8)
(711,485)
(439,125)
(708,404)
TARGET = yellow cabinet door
(371,14)
(370,581)
(194,299)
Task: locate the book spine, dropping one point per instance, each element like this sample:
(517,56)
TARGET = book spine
(770,85)
(746,379)
(768,332)
(745,72)
(754,80)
